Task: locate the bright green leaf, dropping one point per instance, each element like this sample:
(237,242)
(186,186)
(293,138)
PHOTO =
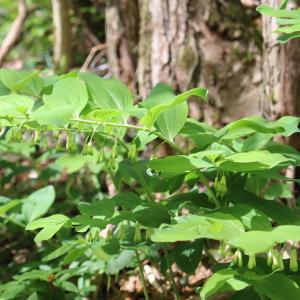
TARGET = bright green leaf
(38,203)
(156,110)
(50,225)
(15,105)
(108,93)
(67,100)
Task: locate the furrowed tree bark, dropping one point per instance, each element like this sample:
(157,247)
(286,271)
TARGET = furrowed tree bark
(169,49)
(189,43)
(122,23)
(62,35)
(14,32)
(281,74)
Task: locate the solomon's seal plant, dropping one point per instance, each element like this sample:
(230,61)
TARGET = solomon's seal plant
(218,188)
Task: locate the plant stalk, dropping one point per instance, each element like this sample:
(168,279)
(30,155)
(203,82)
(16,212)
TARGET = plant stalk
(129,126)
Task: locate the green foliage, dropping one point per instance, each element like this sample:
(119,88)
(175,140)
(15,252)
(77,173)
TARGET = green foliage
(287,19)
(225,188)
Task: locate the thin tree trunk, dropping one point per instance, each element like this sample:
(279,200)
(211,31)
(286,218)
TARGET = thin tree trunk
(62,35)
(14,31)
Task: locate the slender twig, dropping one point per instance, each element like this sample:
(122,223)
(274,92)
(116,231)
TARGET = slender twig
(111,124)
(73,130)
(128,126)
(121,125)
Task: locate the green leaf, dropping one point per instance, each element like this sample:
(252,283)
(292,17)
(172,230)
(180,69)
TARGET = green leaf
(252,161)
(279,190)
(216,283)
(15,105)
(69,287)
(87,222)
(11,290)
(74,162)
(67,100)
(276,211)
(137,170)
(108,93)
(60,251)
(202,134)
(283,4)
(49,225)
(285,150)
(170,121)
(33,296)
(33,274)
(17,80)
(74,254)
(38,203)
(286,37)
(255,142)
(8,206)
(123,260)
(253,242)
(279,13)
(277,287)
(103,114)
(288,21)
(185,163)
(188,255)
(105,250)
(284,126)
(151,214)
(175,164)
(228,280)
(103,207)
(216,226)
(127,200)
(256,184)
(3,89)
(251,218)
(289,29)
(156,110)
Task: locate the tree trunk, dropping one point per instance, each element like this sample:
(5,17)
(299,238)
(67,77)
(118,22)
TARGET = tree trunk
(281,77)
(62,35)
(122,22)
(188,43)
(169,45)
(281,74)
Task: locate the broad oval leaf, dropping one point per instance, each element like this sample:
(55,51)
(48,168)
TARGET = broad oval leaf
(67,100)
(38,203)
(108,93)
(156,110)
(17,80)
(252,161)
(171,120)
(218,226)
(14,105)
